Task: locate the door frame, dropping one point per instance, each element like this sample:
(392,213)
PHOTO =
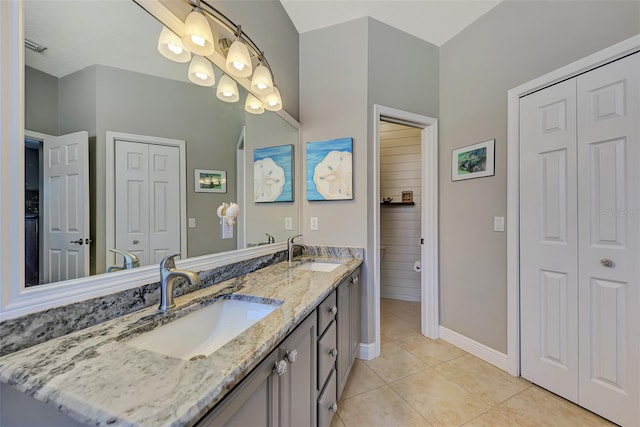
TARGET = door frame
(110,215)
(429,289)
(617,51)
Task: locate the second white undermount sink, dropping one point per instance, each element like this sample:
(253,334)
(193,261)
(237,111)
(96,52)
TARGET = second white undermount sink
(200,333)
(318,266)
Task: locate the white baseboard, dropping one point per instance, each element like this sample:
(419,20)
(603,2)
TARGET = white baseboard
(481,351)
(367,351)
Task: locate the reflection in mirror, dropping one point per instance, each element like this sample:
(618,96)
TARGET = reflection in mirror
(132,191)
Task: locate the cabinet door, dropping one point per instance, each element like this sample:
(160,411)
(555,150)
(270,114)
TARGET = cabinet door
(355,316)
(298,386)
(252,403)
(344,330)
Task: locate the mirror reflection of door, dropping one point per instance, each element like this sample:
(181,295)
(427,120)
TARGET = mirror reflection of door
(56,208)
(147,200)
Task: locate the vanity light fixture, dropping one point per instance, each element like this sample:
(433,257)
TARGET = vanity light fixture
(227,89)
(262,82)
(201,71)
(198,37)
(253,105)
(238,59)
(171,47)
(200,41)
(273,101)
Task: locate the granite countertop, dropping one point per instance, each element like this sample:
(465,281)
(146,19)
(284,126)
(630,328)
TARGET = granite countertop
(95,377)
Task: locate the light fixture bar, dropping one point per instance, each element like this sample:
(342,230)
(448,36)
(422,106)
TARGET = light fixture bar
(34,46)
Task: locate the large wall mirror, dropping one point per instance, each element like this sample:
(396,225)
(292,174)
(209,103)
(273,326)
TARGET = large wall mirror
(102,85)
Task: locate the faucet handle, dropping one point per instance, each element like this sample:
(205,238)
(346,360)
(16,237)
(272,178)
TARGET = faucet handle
(168,262)
(292,238)
(130,260)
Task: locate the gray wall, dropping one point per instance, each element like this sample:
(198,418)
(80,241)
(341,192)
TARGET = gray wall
(270,130)
(146,105)
(344,70)
(40,102)
(510,45)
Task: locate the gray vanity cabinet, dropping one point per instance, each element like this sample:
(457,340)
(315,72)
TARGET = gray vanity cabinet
(348,327)
(280,391)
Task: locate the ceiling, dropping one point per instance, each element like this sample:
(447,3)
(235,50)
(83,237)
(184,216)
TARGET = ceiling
(434,21)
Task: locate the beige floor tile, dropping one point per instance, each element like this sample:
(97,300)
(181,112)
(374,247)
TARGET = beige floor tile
(432,352)
(395,363)
(399,306)
(337,421)
(380,407)
(491,384)
(537,407)
(413,318)
(361,379)
(492,418)
(438,399)
(395,328)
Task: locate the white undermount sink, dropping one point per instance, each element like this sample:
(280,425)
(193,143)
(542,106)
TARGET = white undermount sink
(318,266)
(200,333)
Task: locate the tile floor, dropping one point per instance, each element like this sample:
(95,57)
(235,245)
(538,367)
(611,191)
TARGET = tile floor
(422,382)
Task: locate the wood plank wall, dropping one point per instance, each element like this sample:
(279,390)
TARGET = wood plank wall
(400,170)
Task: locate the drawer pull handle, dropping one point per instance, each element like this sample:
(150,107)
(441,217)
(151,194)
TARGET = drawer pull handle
(334,352)
(291,356)
(281,367)
(354,280)
(333,407)
(333,310)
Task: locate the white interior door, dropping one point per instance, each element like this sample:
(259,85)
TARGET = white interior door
(580,239)
(66,206)
(147,200)
(609,227)
(132,199)
(164,205)
(548,254)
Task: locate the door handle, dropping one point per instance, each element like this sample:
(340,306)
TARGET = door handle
(79,241)
(606,262)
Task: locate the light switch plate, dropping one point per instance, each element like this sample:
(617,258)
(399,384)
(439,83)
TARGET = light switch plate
(288,223)
(226,230)
(192,223)
(498,223)
(313,223)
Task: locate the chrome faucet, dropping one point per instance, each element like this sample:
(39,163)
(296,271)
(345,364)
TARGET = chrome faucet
(169,274)
(270,238)
(291,246)
(130,261)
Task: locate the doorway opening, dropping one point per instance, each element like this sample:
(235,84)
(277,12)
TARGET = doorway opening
(405,168)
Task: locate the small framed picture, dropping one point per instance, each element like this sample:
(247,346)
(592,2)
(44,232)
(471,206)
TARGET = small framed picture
(407,196)
(473,161)
(210,181)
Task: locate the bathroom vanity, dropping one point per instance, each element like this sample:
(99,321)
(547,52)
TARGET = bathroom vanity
(288,368)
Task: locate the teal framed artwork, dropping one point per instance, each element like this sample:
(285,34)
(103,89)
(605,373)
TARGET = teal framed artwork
(329,170)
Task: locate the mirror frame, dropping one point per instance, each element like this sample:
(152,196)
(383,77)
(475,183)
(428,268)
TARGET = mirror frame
(15,299)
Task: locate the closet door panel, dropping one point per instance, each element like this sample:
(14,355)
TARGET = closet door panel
(609,247)
(548,236)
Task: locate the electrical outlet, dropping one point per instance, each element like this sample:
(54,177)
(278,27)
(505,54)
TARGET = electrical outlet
(288,223)
(313,223)
(498,223)
(192,223)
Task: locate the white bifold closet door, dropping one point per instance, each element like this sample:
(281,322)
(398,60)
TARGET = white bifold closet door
(147,202)
(580,239)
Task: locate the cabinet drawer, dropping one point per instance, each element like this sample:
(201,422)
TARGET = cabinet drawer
(326,312)
(327,353)
(328,402)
